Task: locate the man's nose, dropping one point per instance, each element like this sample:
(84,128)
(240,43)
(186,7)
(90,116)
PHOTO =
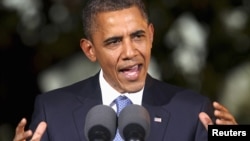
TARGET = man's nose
(129,50)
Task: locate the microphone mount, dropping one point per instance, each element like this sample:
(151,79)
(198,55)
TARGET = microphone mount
(134,132)
(99,133)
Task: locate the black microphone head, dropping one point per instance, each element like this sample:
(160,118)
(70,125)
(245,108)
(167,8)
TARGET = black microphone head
(100,123)
(134,122)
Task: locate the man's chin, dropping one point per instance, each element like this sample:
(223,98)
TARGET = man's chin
(133,88)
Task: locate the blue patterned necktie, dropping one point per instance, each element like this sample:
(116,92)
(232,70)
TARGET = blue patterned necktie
(121,102)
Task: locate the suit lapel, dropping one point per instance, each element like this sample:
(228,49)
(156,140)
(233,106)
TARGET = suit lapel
(80,113)
(159,115)
(159,118)
(88,97)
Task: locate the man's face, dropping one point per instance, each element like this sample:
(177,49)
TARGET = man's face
(122,42)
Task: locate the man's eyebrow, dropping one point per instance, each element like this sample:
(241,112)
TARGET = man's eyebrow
(137,32)
(120,37)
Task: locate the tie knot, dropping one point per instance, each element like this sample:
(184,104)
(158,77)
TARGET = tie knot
(121,102)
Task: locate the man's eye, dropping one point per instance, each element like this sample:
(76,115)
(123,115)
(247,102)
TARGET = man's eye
(138,36)
(113,42)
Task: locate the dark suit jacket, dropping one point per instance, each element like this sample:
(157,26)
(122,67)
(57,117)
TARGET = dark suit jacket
(65,109)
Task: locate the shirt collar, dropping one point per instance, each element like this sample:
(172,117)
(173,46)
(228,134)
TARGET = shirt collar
(109,93)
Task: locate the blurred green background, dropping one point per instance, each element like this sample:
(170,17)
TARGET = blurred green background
(203,45)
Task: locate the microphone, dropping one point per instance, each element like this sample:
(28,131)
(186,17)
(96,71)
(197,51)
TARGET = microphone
(134,123)
(100,123)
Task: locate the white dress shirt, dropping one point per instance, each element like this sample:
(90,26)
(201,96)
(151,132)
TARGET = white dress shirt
(109,94)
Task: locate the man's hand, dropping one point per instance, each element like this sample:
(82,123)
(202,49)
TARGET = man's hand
(223,116)
(22,135)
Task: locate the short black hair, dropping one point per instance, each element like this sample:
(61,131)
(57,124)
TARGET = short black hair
(93,7)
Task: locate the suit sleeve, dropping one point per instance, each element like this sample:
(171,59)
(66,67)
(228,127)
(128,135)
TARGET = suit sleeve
(38,116)
(202,133)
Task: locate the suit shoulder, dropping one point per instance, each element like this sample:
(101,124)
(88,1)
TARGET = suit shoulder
(165,92)
(80,87)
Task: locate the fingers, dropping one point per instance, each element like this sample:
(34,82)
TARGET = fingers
(219,107)
(22,135)
(223,116)
(205,119)
(39,131)
(21,125)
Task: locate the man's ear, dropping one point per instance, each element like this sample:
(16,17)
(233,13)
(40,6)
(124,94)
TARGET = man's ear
(151,30)
(88,49)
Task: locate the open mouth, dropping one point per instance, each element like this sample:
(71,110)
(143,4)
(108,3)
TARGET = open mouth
(132,72)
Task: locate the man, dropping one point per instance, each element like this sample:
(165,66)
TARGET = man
(119,36)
